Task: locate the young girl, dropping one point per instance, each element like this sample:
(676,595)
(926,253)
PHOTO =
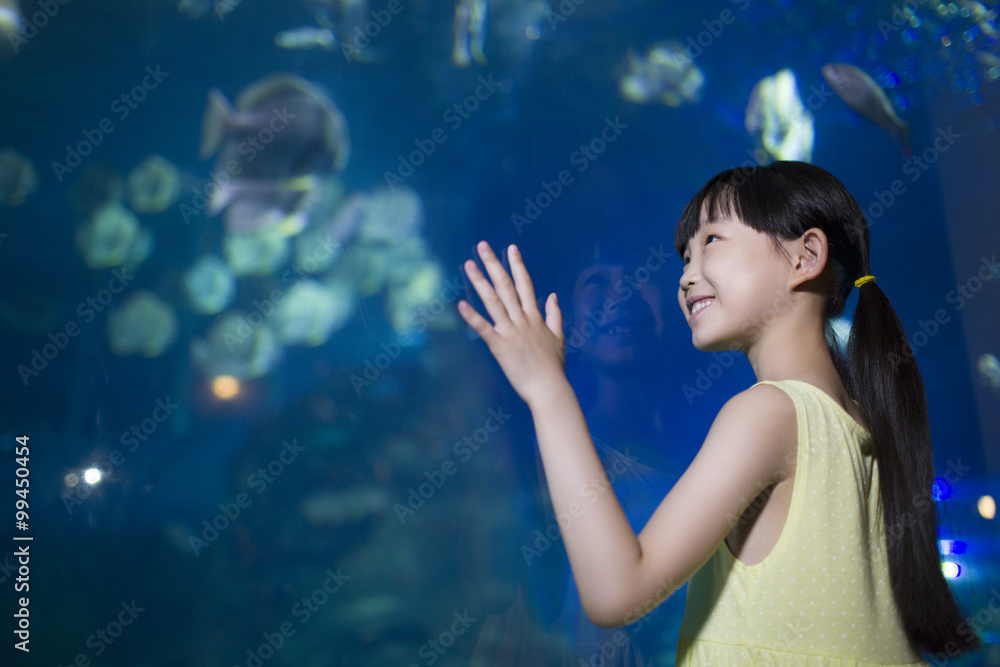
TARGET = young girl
(806,519)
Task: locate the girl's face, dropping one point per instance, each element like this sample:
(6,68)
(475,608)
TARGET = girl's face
(733,286)
(615,319)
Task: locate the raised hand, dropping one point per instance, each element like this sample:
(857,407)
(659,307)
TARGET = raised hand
(530,350)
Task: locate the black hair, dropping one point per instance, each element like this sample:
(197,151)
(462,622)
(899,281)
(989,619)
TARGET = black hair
(785,199)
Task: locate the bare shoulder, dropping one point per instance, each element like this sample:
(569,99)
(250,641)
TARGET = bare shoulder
(764,419)
(767,397)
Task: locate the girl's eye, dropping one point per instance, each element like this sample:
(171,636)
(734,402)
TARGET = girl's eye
(710,236)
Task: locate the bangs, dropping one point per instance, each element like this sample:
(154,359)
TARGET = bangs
(716,197)
(754,195)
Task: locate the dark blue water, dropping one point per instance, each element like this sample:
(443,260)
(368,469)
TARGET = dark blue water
(373,496)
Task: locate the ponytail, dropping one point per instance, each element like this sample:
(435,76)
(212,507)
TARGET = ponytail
(880,373)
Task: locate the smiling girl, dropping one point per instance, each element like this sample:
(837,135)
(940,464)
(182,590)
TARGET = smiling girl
(805,522)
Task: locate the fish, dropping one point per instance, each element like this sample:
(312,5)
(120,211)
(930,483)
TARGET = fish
(470,32)
(282,137)
(287,122)
(989,370)
(306,37)
(860,92)
(666,74)
(777,119)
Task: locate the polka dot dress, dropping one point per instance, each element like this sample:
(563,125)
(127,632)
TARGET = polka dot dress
(821,597)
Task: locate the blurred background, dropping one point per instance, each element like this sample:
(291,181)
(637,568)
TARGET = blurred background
(254,429)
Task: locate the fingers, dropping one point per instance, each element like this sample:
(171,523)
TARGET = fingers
(477,322)
(522,281)
(501,284)
(553,316)
(494,306)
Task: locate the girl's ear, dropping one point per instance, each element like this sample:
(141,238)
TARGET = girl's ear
(809,255)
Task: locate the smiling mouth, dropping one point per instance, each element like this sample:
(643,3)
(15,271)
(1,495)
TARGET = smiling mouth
(701,305)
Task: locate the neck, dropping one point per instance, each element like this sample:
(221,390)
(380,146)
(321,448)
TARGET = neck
(796,351)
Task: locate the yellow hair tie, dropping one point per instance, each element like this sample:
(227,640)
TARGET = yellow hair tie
(862,280)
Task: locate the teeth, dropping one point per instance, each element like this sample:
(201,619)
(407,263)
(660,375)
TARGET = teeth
(701,305)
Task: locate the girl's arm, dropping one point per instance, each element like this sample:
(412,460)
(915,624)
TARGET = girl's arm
(621,576)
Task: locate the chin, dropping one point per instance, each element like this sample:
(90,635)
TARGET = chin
(710,345)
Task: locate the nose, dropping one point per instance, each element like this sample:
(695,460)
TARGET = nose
(688,276)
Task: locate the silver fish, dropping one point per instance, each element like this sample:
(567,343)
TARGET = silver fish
(306,37)
(283,134)
(282,127)
(860,92)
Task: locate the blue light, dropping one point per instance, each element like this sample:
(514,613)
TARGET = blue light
(940,489)
(951,547)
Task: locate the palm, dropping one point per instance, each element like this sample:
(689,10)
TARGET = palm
(530,350)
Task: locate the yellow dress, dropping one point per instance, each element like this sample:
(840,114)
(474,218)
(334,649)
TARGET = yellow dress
(821,597)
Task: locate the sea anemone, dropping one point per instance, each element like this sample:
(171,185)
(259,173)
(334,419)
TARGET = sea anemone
(153,185)
(145,324)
